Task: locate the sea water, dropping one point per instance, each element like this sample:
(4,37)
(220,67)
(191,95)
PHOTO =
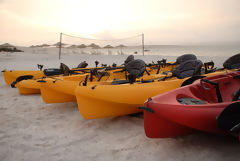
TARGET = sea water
(152,53)
(49,57)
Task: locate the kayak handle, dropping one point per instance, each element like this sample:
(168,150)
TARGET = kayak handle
(85,81)
(21,78)
(216,84)
(41,81)
(146,109)
(208,81)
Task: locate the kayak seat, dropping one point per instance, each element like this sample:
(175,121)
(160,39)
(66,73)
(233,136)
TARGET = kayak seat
(135,69)
(232,62)
(52,71)
(65,69)
(185,57)
(82,65)
(190,101)
(187,69)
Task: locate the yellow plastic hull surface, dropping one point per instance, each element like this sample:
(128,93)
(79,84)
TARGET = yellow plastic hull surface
(10,76)
(29,86)
(114,100)
(58,91)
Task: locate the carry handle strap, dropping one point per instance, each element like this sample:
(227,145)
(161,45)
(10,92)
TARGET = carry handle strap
(148,109)
(85,81)
(216,84)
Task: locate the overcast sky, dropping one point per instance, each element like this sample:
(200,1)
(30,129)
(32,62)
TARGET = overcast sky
(27,22)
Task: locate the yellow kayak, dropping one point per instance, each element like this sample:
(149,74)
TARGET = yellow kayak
(31,86)
(59,91)
(11,75)
(99,101)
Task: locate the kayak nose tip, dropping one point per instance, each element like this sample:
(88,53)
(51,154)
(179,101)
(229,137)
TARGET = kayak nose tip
(3,70)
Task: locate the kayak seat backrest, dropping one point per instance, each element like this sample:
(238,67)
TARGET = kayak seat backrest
(65,69)
(52,71)
(129,58)
(136,67)
(187,69)
(232,62)
(185,57)
(82,65)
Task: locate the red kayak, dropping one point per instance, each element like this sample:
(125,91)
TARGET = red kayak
(195,108)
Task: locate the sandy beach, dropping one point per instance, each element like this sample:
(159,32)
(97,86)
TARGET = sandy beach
(32,130)
(108,31)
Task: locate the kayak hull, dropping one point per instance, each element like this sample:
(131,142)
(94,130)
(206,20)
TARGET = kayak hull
(27,87)
(32,86)
(58,91)
(172,118)
(114,100)
(11,75)
(55,91)
(158,127)
(93,100)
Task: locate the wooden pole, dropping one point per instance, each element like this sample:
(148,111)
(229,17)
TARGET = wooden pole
(143,43)
(60,46)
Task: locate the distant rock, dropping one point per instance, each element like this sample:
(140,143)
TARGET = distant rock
(73,46)
(58,44)
(82,46)
(94,46)
(108,46)
(44,45)
(120,46)
(7,45)
(9,48)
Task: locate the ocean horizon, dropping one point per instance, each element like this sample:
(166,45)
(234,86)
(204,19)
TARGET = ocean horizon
(167,50)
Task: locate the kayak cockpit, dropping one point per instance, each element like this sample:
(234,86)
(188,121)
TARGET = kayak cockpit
(215,90)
